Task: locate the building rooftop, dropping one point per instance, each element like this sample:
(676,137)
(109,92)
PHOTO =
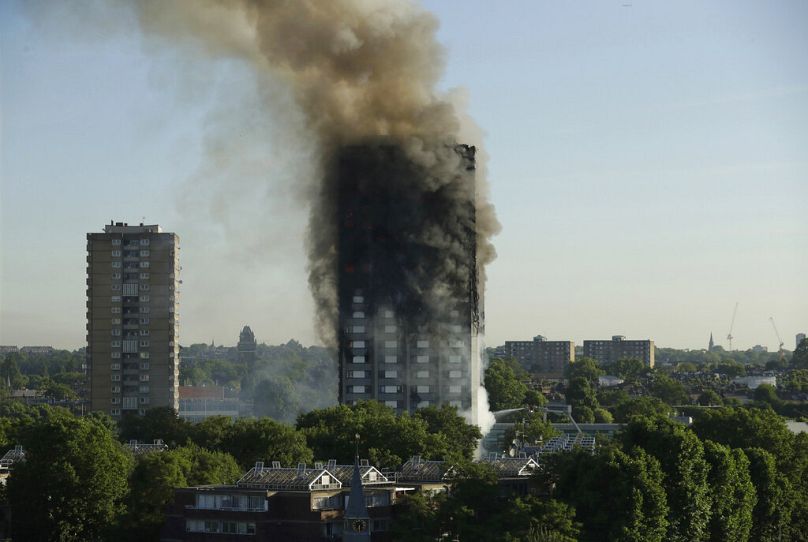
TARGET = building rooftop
(508,467)
(12,456)
(419,470)
(301,478)
(139,448)
(123,227)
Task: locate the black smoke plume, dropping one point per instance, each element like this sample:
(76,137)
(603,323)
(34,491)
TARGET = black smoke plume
(364,75)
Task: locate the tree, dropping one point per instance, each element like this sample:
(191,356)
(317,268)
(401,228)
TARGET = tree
(583,414)
(631,484)
(504,389)
(586,368)
(277,399)
(745,428)
(10,372)
(733,493)
(263,439)
(154,478)
(460,438)
(533,429)
(799,359)
(581,392)
(534,399)
(766,393)
(385,438)
(772,513)
(710,398)
(603,416)
(627,368)
(669,390)
(72,484)
(640,407)
(681,456)
(158,423)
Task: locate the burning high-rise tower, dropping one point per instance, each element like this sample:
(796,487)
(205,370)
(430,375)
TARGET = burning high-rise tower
(409,311)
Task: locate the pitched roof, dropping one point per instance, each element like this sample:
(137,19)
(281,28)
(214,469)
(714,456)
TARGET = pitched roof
(370,475)
(301,478)
(512,466)
(419,470)
(12,456)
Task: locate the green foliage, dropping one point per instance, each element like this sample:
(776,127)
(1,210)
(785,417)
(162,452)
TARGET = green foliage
(633,407)
(451,435)
(249,440)
(10,372)
(766,393)
(586,368)
(603,416)
(154,478)
(795,380)
(710,398)
(772,513)
(733,493)
(581,392)
(583,414)
(681,456)
(670,391)
(631,484)
(385,438)
(158,423)
(277,399)
(799,359)
(477,511)
(534,399)
(73,482)
(745,428)
(532,430)
(627,368)
(504,388)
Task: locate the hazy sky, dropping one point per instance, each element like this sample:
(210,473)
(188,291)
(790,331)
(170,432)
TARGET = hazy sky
(648,161)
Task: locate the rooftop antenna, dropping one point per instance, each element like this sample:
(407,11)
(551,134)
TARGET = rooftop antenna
(731,326)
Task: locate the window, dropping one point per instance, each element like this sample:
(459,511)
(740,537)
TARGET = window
(356,389)
(144,310)
(454,389)
(457,343)
(130,347)
(422,404)
(115,321)
(116,400)
(144,365)
(454,359)
(358,344)
(391,374)
(116,276)
(358,329)
(144,378)
(359,359)
(423,344)
(144,388)
(144,320)
(115,310)
(145,287)
(358,299)
(456,404)
(389,328)
(391,389)
(116,389)
(144,343)
(143,400)
(115,366)
(130,289)
(390,359)
(115,412)
(144,276)
(116,378)
(455,374)
(116,253)
(388,314)
(144,242)
(422,359)
(116,332)
(144,299)
(456,328)
(115,344)
(116,265)
(116,241)
(144,265)
(144,355)
(422,389)
(358,314)
(129,403)
(422,374)
(144,332)
(393,404)
(327,503)
(144,253)
(356,374)
(115,286)
(115,299)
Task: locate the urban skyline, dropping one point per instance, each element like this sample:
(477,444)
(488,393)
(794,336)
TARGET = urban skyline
(720,185)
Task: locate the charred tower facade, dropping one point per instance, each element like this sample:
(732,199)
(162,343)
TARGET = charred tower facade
(409,312)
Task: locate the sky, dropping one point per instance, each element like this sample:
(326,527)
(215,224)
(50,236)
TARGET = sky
(647,160)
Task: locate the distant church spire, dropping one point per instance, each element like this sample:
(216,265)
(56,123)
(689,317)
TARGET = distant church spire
(712,343)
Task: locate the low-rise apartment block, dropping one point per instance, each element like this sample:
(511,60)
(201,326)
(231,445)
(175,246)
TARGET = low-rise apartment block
(606,352)
(547,359)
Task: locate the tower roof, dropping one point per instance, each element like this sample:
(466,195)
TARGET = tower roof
(356,504)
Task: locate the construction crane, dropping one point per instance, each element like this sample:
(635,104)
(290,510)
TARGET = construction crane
(779,340)
(732,326)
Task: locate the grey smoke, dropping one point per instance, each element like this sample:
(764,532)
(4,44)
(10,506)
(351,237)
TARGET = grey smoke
(359,71)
